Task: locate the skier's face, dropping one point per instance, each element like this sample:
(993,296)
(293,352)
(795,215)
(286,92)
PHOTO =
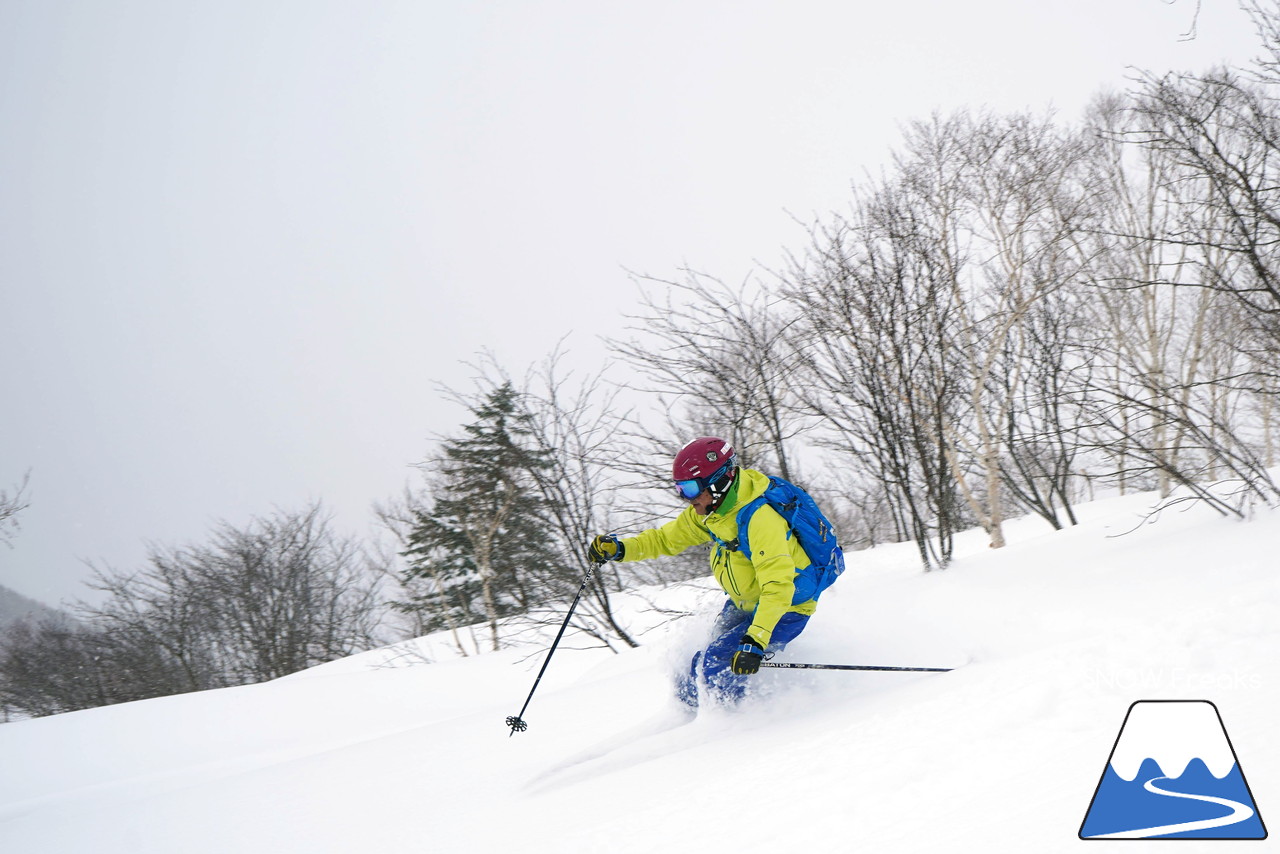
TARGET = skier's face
(702,504)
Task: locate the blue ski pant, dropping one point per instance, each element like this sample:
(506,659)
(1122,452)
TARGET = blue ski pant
(712,663)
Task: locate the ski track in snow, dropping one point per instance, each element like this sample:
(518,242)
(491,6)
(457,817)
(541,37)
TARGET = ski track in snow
(633,746)
(1239,812)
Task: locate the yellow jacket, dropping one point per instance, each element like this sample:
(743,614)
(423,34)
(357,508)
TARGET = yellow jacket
(764,583)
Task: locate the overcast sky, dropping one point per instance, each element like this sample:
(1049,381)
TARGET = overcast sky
(240,242)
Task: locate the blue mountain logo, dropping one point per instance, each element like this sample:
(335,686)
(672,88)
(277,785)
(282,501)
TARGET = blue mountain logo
(1173,774)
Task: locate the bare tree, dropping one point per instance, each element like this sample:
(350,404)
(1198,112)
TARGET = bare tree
(1222,130)
(258,602)
(876,309)
(720,361)
(1138,319)
(289,593)
(1009,200)
(55,665)
(11,504)
(932,335)
(578,426)
(1041,441)
(1188,286)
(279,595)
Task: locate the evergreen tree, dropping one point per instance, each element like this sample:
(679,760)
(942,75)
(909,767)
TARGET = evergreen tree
(481,547)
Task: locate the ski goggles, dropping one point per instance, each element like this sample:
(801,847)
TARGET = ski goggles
(690,489)
(693,487)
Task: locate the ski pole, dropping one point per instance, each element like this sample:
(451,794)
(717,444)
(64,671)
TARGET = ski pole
(803,666)
(516,722)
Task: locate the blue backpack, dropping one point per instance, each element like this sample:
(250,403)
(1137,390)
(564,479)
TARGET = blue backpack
(815,533)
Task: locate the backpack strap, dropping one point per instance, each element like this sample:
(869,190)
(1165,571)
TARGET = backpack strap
(742,544)
(744,523)
(728,545)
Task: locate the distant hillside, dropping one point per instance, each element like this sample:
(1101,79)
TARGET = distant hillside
(14,606)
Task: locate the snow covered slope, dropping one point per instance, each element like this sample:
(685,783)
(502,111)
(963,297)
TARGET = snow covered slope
(1054,637)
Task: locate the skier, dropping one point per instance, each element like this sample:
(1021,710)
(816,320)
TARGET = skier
(772,589)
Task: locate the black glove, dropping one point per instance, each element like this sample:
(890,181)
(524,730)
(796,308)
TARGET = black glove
(605,547)
(746,660)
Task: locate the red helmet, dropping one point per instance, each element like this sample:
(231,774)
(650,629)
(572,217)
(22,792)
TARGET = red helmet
(703,463)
